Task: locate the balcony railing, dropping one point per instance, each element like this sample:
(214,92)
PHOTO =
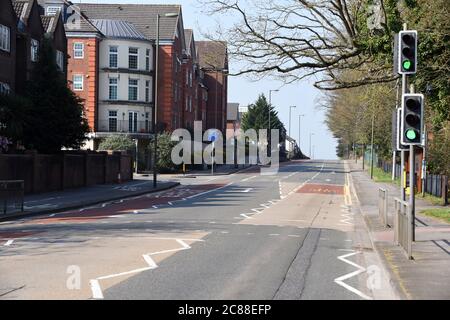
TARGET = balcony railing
(124,126)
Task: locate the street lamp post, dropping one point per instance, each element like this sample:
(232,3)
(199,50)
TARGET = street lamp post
(310,138)
(290,108)
(155,117)
(270,104)
(299,130)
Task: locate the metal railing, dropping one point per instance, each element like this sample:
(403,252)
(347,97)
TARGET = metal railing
(11,195)
(124,126)
(403,231)
(383,206)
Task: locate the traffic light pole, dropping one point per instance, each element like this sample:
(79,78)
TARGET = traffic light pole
(412,186)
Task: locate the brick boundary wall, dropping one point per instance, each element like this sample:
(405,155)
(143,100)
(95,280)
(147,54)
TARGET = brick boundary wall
(71,169)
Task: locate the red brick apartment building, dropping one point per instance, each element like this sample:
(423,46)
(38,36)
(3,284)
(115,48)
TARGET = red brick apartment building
(191,86)
(23,25)
(213,61)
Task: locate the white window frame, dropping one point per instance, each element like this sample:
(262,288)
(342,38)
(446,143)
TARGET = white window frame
(133,55)
(74,82)
(147,59)
(34,47)
(5,38)
(133,86)
(75,50)
(110,85)
(147,91)
(112,53)
(50,10)
(60,60)
(113,117)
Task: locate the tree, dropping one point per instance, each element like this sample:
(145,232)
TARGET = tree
(295,39)
(117,143)
(164,152)
(54,118)
(12,113)
(257,117)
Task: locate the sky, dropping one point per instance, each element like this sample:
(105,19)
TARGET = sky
(244,91)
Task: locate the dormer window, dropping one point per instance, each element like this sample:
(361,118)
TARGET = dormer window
(52,10)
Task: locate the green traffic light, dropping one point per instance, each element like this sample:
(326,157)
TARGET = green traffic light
(407,64)
(411,134)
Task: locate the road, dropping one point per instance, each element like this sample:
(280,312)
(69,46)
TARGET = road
(294,235)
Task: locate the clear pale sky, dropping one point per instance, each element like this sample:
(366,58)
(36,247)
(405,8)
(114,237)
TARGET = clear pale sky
(302,95)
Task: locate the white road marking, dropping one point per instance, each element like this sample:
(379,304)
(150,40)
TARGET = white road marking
(247,179)
(96,290)
(340,280)
(294,235)
(95,284)
(274,234)
(247,190)
(8,243)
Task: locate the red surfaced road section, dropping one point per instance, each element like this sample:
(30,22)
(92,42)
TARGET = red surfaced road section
(16,234)
(322,189)
(128,205)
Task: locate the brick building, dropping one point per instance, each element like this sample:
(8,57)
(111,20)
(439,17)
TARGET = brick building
(23,25)
(172,46)
(213,61)
(8,31)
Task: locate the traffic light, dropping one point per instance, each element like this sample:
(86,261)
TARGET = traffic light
(407,52)
(412,119)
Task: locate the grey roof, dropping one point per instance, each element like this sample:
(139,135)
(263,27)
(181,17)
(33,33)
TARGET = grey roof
(22,10)
(212,54)
(46,22)
(117,29)
(79,23)
(143,16)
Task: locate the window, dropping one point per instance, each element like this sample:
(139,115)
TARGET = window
(77,82)
(51,10)
(132,121)
(34,50)
(5,38)
(4,88)
(147,60)
(147,91)
(133,89)
(112,121)
(190,104)
(147,124)
(133,58)
(187,104)
(60,60)
(113,57)
(190,79)
(78,50)
(113,88)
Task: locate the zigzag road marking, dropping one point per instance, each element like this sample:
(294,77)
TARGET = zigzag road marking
(340,280)
(95,283)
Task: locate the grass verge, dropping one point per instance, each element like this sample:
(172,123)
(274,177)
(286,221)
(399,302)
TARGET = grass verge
(441,213)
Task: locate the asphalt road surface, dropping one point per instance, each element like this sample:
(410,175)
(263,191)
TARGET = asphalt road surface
(297,234)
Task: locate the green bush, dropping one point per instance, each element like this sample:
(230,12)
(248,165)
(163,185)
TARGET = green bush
(164,150)
(117,143)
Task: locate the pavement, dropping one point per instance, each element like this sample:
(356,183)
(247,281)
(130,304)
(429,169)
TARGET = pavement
(295,234)
(427,276)
(50,202)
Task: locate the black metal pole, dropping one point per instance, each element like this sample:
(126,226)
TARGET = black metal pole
(155,121)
